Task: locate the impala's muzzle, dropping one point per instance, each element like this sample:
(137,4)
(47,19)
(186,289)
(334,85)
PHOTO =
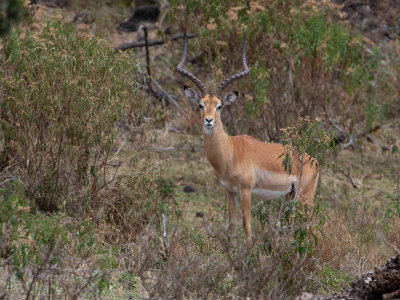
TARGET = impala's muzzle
(209,122)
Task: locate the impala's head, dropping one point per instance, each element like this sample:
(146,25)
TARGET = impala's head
(209,104)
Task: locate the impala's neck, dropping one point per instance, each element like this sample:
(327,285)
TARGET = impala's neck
(218,147)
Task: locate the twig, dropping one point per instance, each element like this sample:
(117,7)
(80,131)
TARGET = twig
(149,87)
(335,258)
(165,236)
(350,178)
(350,143)
(157,149)
(40,269)
(172,148)
(353,138)
(126,46)
(89,281)
(147,51)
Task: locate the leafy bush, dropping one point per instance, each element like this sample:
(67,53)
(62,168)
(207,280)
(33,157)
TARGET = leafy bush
(62,93)
(306,142)
(34,261)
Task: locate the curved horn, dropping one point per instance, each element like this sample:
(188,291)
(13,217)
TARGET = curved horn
(237,76)
(179,68)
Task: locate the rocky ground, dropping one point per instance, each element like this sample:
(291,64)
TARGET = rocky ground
(376,19)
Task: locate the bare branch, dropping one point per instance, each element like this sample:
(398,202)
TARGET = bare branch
(125,46)
(170,98)
(350,178)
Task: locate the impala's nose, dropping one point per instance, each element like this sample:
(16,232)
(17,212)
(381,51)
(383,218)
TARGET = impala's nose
(208,120)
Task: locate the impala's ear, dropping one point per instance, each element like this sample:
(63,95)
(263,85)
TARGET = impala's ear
(191,94)
(229,98)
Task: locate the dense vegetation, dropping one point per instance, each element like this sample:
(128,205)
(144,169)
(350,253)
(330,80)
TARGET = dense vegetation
(87,177)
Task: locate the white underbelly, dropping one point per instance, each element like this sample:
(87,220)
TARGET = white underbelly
(260,193)
(268,194)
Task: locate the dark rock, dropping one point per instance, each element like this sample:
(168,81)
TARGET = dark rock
(189,189)
(373,4)
(168,30)
(384,148)
(84,17)
(339,139)
(144,13)
(199,214)
(369,24)
(147,13)
(369,139)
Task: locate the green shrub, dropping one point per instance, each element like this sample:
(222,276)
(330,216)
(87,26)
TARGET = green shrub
(35,251)
(62,93)
(306,142)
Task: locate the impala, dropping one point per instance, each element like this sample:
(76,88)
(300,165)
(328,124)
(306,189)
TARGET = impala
(244,165)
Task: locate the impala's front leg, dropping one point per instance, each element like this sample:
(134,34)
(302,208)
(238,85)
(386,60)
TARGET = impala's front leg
(245,202)
(231,209)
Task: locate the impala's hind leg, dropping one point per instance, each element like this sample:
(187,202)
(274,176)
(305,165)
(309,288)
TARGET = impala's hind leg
(308,190)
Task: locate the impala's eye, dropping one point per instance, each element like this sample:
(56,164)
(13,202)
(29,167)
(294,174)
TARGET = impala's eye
(219,106)
(201,105)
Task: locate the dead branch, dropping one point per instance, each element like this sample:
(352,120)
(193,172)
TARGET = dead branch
(354,137)
(146,42)
(349,177)
(149,87)
(177,148)
(125,46)
(373,285)
(342,135)
(170,98)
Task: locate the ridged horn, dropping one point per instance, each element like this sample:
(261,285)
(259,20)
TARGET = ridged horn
(237,76)
(193,78)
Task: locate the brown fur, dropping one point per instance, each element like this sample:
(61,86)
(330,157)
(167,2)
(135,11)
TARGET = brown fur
(243,163)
